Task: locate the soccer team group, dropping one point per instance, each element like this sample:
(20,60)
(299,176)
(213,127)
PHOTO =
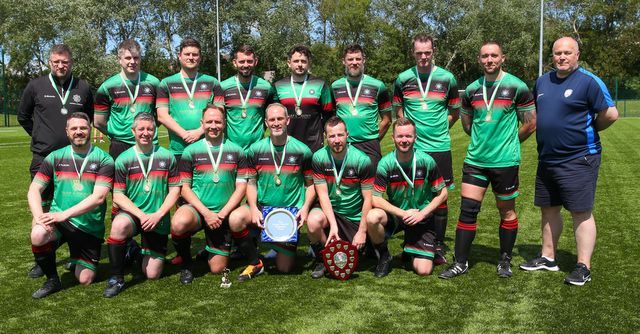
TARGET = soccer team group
(221,171)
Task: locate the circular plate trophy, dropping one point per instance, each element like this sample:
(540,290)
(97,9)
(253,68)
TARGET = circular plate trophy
(280,224)
(340,258)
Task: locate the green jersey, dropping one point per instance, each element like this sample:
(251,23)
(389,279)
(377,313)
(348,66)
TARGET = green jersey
(72,183)
(395,179)
(245,109)
(186,101)
(371,99)
(357,175)
(428,107)
(293,160)
(494,134)
(213,181)
(113,100)
(147,192)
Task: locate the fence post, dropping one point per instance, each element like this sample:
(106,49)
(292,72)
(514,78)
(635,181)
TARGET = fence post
(4,90)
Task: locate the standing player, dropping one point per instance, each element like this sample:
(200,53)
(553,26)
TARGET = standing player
(307,98)
(280,168)
(574,106)
(124,95)
(183,96)
(245,97)
(43,110)
(82,176)
(492,107)
(428,95)
(343,178)
(213,172)
(147,185)
(360,101)
(415,189)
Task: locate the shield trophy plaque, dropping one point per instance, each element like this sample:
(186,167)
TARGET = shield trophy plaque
(340,259)
(279,224)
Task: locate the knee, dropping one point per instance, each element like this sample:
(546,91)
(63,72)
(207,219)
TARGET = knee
(119,229)
(375,217)
(425,268)
(239,218)
(86,277)
(217,267)
(40,236)
(315,222)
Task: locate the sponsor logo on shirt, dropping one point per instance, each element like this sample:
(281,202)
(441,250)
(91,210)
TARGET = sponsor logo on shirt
(49,96)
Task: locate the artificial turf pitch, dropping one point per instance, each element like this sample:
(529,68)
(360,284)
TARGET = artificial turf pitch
(401,302)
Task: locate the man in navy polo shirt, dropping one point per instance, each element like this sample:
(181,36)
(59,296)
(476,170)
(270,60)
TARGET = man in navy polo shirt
(573,106)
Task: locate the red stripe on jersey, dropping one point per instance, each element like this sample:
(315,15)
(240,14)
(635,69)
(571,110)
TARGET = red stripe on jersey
(368,181)
(411,94)
(180,95)
(100,107)
(122,100)
(290,168)
(256,101)
(159,173)
(136,176)
(526,104)
(454,101)
(104,179)
(218,99)
(437,181)
(233,102)
(89,176)
(502,103)
(436,95)
(287,101)
(328,107)
(379,188)
(397,99)
(118,185)
(162,100)
(202,95)
(145,99)
(42,177)
(385,105)
(66,175)
(186,175)
(466,227)
(175,179)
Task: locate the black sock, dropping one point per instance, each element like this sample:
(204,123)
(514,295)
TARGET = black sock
(182,244)
(382,250)
(247,246)
(464,239)
(440,216)
(508,233)
(317,248)
(117,250)
(45,257)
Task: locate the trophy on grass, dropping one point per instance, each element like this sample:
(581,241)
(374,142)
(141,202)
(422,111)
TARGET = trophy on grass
(340,259)
(280,224)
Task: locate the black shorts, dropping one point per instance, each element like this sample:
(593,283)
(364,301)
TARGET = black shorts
(419,239)
(372,149)
(571,184)
(219,239)
(116,148)
(504,180)
(153,244)
(445,166)
(84,248)
(347,228)
(47,193)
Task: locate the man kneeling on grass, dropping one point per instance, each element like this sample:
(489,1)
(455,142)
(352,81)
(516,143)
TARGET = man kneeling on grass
(147,185)
(415,189)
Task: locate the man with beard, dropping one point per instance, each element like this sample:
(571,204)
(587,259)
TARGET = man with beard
(213,172)
(307,98)
(492,108)
(82,176)
(343,178)
(414,189)
(245,97)
(361,101)
(428,95)
(183,97)
(146,187)
(280,176)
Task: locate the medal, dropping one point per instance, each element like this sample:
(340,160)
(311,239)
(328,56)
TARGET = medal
(424,105)
(354,100)
(489,104)
(215,164)
(244,99)
(190,92)
(336,174)
(132,96)
(297,98)
(277,168)
(77,184)
(424,91)
(408,191)
(63,100)
(146,171)
(147,185)
(338,191)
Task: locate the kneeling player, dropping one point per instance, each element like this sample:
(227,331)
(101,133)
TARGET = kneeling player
(415,189)
(82,176)
(343,178)
(147,185)
(213,172)
(280,176)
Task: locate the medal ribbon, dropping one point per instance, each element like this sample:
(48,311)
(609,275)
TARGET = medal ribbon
(145,172)
(66,95)
(425,91)
(336,174)
(410,181)
(191,92)
(293,88)
(133,96)
(214,163)
(489,104)
(354,101)
(273,155)
(244,99)
(84,163)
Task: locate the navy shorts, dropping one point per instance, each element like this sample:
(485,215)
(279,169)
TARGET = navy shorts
(445,166)
(504,180)
(571,184)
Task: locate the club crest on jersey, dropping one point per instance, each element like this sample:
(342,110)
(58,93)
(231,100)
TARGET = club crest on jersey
(438,86)
(292,160)
(311,91)
(147,90)
(367,91)
(162,164)
(258,93)
(419,172)
(76,98)
(568,92)
(203,86)
(505,92)
(93,166)
(229,156)
(351,172)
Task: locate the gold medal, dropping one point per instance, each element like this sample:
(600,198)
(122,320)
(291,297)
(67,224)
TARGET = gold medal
(216,177)
(244,113)
(64,111)
(424,105)
(77,186)
(298,111)
(488,117)
(354,111)
(147,185)
(277,180)
(191,105)
(338,191)
(132,108)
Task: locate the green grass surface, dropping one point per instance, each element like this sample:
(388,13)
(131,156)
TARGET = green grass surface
(479,301)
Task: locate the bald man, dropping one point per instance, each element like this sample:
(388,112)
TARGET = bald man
(573,106)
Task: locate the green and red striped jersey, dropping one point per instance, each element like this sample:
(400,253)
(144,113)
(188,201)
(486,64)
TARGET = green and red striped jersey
(432,124)
(59,168)
(362,123)
(494,136)
(197,170)
(172,95)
